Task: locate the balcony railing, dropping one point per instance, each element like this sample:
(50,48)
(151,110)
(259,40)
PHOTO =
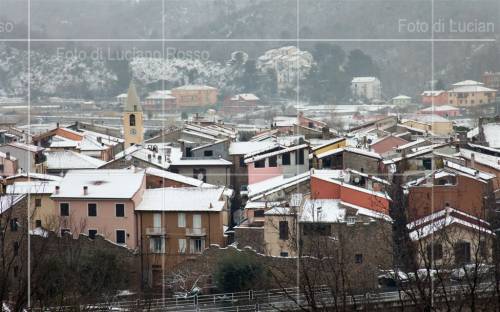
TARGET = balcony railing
(196,232)
(154,231)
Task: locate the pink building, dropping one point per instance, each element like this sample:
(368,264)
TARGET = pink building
(8,165)
(443,111)
(288,162)
(101,202)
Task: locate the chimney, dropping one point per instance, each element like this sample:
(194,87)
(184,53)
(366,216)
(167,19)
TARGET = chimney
(85,190)
(149,157)
(57,189)
(7,155)
(472,160)
(210,206)
(159,159)
(318,213)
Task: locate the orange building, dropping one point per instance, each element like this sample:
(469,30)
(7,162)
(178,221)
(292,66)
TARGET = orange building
(325,188)
(191,96)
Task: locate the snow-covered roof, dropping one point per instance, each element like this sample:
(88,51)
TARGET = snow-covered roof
(491,134)
(285,121)
(176,177)
(268,186)
(7,201)
(262,204)
(183,199)
(468,83)
(245,97)
(64,160)
(32,187)
(102,184)
(195,87)
(401,97)
(425,118)
(471,88)
(33,175)
(412,143)
(441,108)
(27,147)
(433,92)
(441,219)
(363,79)
(285,150)
(150,155)
(333,210)
(328,142)
(363,152)
(201,162)
(331,152)
(471,172)
(160,95)
(480,158)
(244,148)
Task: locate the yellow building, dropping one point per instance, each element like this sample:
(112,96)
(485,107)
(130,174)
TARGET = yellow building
(133,121)
(195,96)
(470,93)
(430,123)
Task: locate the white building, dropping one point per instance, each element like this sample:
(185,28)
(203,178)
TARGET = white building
(288,62)
(366,88)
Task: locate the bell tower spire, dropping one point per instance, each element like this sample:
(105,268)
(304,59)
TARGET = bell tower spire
(133,123)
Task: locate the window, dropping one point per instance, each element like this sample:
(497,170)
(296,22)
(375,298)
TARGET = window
(92,234)
(438,251)
(197,221)
(157,244)
(120,236)
(131,120)
(92,210)
(200,174)
(273,161)
(38,223)
(260,163)
(64,231)
(358,258)
(242,162)
(120,210)
(283,228)
(64,208)
(38,202)
(427,163)
(285,159)
(259,213)
(181,219)
(182,245)
(462,253)
(157,221)
(283,254)
(208,153)
(197,245)
(301,157)
(13,224)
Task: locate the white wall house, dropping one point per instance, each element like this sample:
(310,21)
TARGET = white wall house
(366,88)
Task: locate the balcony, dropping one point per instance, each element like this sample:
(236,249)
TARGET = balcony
(156,231)
(196,232)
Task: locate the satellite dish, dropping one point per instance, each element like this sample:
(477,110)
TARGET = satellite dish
(128,158)
(200,176)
